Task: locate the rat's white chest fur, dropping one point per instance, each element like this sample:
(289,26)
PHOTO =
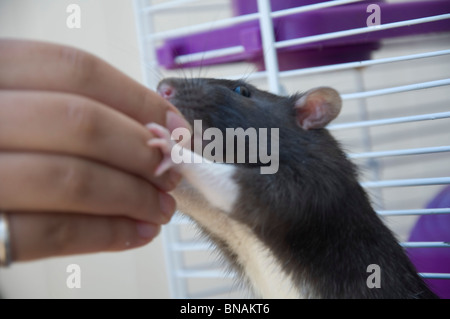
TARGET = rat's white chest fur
(210,205)
(260,265)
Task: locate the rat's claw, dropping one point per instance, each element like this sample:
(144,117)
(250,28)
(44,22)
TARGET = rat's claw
(165,165)
(162,138)
(162,141)
(165,148)
(159,131)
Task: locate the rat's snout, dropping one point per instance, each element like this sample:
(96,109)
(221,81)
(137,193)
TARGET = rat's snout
(166,90)
(183,93)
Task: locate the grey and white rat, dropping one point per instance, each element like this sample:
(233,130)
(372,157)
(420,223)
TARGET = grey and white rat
(306,231)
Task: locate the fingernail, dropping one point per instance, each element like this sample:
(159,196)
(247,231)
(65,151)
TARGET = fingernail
(147,231)
(166,205)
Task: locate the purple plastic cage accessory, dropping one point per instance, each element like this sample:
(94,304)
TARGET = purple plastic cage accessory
(246,36)
(242,7)
(432,228)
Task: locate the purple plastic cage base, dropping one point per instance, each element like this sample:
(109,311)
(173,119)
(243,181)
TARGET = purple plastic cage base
(433,228)
(333,51)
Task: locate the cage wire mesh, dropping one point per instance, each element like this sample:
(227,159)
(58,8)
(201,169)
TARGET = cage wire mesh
(394,124)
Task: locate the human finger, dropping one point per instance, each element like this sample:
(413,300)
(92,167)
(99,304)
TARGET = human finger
(39,234)
(32,65)
(41,121)
(51,182)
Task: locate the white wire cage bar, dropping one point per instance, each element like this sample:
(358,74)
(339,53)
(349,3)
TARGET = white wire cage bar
(401,152)
(434,276)
(407,182)
(179,273)
(388,121)
(407,212)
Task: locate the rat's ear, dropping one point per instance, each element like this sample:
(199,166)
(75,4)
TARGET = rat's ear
(317,107)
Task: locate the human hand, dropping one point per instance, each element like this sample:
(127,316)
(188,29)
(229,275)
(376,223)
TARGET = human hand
(76,174)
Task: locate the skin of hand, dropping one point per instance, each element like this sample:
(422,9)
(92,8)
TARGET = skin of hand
(76,173)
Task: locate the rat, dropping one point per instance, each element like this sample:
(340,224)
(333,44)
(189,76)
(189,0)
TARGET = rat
(307,230)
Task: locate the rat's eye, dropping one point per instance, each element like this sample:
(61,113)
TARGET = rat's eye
(242,90)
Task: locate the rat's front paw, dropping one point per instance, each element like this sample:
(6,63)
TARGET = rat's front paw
(162,141)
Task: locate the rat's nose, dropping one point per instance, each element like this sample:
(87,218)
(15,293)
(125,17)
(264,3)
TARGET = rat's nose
(166,90)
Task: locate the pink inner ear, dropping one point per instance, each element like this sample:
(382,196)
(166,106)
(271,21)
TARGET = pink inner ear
(317,108)
(312,114)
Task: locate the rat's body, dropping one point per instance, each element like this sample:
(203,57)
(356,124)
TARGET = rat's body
(307,231)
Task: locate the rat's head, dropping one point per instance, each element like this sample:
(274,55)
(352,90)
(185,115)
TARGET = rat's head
(227,104)
(231,104)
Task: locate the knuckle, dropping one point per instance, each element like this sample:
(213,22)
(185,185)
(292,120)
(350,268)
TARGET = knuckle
(82,119)
(60,234)
(74,180)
